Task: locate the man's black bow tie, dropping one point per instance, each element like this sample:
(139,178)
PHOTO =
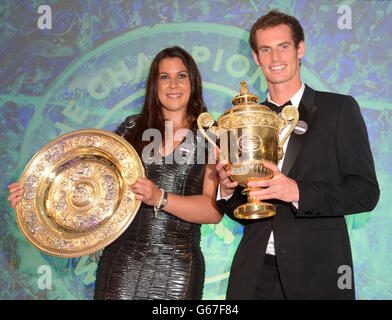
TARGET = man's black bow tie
(274,107)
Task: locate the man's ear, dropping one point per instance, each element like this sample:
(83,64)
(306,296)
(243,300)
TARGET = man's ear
(301,50)
(256,58)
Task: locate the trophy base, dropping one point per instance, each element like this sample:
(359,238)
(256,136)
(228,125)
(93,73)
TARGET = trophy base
(255,210)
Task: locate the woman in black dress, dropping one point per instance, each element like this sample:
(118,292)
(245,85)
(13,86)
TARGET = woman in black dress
(159,255)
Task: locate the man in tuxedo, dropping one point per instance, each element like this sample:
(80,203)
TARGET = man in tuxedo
(327,172)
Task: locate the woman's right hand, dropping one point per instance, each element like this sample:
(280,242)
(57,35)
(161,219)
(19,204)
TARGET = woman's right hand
(16,190)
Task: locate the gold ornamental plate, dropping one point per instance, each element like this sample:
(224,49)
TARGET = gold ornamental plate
(76,199)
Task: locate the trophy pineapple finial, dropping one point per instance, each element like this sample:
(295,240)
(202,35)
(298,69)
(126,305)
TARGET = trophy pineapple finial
(244,88)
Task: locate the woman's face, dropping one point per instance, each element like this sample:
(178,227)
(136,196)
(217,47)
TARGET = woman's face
(174,86)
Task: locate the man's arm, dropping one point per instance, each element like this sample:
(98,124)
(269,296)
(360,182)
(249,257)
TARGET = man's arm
(229,195)
(358,189)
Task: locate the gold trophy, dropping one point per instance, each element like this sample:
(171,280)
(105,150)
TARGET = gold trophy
(249,135)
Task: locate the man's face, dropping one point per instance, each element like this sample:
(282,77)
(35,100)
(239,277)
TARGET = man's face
(277,55)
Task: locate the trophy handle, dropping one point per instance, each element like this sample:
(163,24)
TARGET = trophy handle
(289,113)
(207,120)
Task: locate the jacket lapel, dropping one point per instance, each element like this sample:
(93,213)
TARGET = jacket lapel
(307,109)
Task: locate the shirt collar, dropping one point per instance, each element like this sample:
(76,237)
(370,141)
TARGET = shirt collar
(295,99)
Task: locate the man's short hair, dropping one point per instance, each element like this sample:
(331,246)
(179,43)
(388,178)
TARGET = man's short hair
(273,19)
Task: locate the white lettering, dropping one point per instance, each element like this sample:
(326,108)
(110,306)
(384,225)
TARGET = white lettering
(45,281)
(169,310)
(44,21)
(345,280)
(345,21)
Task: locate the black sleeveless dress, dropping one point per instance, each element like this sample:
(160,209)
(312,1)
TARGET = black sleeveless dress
(158,257)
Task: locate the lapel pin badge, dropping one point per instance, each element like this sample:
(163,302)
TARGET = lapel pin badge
(301,127)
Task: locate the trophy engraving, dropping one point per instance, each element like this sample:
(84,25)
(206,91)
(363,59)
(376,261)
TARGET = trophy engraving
(249,135)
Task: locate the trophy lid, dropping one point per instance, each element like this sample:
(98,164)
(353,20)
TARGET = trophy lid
(247,112)
(246,100)
(245,97)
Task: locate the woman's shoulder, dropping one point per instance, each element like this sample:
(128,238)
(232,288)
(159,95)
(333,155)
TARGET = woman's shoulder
(127,125)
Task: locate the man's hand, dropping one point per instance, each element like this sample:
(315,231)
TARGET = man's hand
(227,186)
(279,187)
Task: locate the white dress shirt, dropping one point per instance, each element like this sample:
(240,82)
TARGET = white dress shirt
(295,100)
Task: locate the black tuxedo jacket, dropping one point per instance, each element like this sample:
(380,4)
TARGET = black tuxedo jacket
(334,169)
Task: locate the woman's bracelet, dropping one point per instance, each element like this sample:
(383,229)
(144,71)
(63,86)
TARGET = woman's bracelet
(162,202)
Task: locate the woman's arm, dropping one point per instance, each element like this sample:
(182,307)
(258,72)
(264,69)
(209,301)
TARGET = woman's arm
(197,209)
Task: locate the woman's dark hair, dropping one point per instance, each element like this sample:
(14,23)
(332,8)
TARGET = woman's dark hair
(151,115)
(273,19)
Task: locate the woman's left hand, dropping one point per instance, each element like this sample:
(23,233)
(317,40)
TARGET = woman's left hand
(146,191)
